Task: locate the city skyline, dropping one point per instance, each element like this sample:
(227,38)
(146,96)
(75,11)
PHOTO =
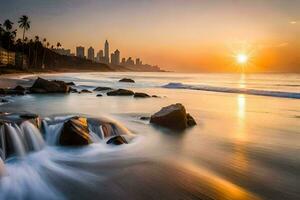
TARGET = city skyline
(190,36)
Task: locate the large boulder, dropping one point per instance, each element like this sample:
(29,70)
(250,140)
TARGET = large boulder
(127,80)
(120,92)
(75,132)
(44,86)
(173,117)
(141,95)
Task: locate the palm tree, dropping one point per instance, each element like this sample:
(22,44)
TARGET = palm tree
(58,44)
(24,23)
(8,25)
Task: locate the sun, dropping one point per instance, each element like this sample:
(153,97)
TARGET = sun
(242,58)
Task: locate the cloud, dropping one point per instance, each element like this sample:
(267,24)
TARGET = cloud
(293,22)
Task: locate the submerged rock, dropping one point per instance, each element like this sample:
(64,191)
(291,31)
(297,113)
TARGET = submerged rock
(141,95)
(73,90)
(102,88)
(85,91)
(44,86)
(20,88)
(71,83)
(117,140)
(11,91)
(173,117)
(127,80)
(120,92)
(4,101)
(145,118)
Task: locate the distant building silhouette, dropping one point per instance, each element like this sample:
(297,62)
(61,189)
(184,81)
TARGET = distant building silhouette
(115,57)
(91,54)
(80,52)
(106,52)
(123,62)
(129,61)
(62,51)
(138,61)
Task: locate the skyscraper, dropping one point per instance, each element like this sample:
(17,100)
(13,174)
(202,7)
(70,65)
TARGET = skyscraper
(115,57)
(106,51)
(91,53)
(80,52)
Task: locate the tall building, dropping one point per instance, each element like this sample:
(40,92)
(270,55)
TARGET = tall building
(138,61)
(106,51)
(80,52)
(115,57)
(91,53)
(129,61)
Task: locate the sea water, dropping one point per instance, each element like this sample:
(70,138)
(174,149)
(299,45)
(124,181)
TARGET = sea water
(246,144)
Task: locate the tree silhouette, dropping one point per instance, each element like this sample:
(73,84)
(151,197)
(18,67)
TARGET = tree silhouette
(24,24)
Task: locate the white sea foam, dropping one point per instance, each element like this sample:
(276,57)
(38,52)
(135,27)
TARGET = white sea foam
(294,95)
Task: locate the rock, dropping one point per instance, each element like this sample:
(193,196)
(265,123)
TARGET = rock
(75,132)
(190,120)
(99,95)
(44,86)
(71,83)
(155,96)
(173,117)
(144,118)
(102,88)
(4,101)
(141,95)
(19,118)
(120,92)
(20,88)
(117,140)
(73,90)
(11,92)
(29,116)
(127,80)
(85,91)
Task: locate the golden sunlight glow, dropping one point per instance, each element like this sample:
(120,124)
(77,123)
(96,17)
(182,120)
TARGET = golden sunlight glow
(242,58)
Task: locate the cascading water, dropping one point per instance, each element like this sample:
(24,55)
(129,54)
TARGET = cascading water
(33,136)
(17,140)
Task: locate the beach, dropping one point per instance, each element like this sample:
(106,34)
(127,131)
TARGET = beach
(245,144)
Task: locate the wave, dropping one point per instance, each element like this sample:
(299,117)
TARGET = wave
(281,94)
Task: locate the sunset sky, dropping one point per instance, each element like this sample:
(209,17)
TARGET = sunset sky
(180,35)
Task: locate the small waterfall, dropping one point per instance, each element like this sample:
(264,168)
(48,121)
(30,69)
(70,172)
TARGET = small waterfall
(33,136)
(16,139)
(52,132)
(19,139)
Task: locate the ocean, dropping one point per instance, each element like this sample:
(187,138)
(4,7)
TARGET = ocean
(246,144)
